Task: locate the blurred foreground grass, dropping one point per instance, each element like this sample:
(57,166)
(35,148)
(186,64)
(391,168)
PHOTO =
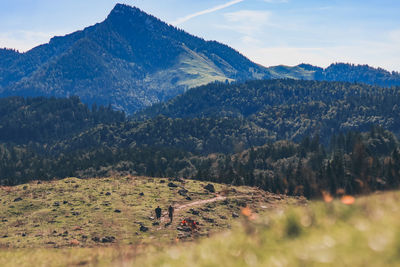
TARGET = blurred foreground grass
(365,233)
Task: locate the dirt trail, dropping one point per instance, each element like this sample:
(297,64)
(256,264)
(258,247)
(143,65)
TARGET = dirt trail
(179,208)
(200,202)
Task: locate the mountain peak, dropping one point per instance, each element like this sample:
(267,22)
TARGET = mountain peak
(123,9)
(128,15)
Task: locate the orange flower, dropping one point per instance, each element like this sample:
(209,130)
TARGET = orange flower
(246,211)
(327,197)
(74,242)
(348,200)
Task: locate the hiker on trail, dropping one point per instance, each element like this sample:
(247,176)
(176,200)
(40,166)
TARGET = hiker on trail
(158,213)
(171,213)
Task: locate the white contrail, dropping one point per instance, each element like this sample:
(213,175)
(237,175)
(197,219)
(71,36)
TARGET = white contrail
(207,11)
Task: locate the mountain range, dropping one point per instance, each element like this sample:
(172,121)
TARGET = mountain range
(132,60)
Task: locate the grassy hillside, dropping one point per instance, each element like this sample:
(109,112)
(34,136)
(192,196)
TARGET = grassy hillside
(117,211)
(360,233)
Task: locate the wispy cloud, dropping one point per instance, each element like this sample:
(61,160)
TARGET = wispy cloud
(249,17)
(249,23)
(207,11)
(276,1)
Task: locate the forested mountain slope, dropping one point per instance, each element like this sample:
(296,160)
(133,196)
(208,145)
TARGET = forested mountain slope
(130,60)
(83,143)
(24,120)
(290,109)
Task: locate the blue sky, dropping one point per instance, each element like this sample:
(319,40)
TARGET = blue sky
(270,32)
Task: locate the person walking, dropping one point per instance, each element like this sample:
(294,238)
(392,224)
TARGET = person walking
(158,213)
(171,213)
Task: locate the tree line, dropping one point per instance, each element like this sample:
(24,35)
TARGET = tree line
(353,151)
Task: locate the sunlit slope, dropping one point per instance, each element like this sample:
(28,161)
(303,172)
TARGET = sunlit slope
(119,211)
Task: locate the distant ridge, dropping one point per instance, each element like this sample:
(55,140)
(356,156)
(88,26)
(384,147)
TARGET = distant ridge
(132,60)
(340,72)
